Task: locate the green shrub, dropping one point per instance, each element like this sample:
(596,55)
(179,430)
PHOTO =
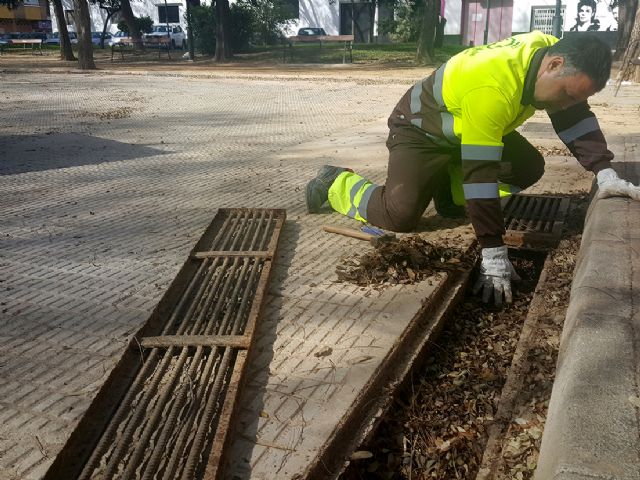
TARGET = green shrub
(405,26)
(241,26)
(203,24)
(145,25)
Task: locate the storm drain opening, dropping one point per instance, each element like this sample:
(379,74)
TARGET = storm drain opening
(473,405)
(534,221)
(185,367)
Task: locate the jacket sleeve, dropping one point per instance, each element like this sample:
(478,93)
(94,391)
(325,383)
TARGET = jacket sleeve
(578,128)
(485,115)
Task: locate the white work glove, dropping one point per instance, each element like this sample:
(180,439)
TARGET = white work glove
(610,185)
(496,274)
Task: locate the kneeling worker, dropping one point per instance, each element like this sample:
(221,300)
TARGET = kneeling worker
(452,139)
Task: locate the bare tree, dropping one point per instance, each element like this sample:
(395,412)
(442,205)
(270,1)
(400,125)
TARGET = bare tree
(626,16)
(66,52)
(83,26)
(630,65)
(130,19)
(426,41)
(111,7)
(223,48)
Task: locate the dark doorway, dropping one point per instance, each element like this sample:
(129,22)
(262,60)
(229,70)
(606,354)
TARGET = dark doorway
(358,17)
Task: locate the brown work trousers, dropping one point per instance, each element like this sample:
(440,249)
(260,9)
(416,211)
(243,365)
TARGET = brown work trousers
(418,168)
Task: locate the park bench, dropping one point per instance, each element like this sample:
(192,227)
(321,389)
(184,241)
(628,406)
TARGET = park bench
(22,44)
(127,45)
(161,43)
(347,40)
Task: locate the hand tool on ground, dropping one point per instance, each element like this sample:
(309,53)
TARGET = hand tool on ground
(372,230)
(375,240)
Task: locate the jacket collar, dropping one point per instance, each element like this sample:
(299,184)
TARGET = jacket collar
(532,75)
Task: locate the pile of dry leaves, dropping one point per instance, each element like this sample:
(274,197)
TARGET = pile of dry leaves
(439,427)
(409,260)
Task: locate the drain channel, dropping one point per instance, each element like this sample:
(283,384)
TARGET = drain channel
(173,420)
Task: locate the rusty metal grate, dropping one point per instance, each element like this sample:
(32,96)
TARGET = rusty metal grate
(534,221)
(173,419)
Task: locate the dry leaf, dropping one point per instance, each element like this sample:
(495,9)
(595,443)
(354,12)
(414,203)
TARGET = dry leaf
(323,352)
(361,455)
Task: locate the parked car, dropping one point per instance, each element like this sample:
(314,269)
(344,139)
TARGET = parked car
(96,36)
(117,37)
(54,38)
(8,37)
(28,35)
(311,31)
(175,32)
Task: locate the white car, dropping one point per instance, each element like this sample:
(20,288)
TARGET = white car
(175,32)
(54,38)
(117,37)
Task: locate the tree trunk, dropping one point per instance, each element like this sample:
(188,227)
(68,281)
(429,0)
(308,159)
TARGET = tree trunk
(127,15)
(110,14)
(227,15)
(83,26)
(372,20)
(223,52)
(66,52)
(626,16)
(633,50)
(425,53)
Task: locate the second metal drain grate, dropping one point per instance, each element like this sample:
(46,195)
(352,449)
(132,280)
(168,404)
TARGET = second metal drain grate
(172,422)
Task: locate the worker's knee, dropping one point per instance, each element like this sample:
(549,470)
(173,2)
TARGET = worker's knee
(533,172)
(405,220)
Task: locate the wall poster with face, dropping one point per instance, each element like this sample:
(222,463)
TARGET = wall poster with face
(591,15)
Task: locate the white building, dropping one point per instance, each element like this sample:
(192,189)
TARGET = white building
(468,21)
(155,9)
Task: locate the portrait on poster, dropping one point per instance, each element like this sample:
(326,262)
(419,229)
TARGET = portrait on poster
(591,15)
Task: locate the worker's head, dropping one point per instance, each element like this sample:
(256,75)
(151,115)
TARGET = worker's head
(572,70)
(586,11)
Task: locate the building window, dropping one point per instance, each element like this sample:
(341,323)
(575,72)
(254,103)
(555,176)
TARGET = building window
(169,14)
(542,18)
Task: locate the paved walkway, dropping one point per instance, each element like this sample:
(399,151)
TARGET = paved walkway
(106,184)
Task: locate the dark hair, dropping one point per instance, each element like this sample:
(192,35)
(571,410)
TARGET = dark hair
(587,54)
(588,3)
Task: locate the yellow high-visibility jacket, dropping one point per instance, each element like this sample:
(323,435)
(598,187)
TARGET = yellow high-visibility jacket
(475,99)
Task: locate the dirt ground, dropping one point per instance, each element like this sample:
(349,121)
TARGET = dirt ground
(49,62)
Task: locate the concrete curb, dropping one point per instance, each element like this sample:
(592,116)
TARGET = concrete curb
(593,428)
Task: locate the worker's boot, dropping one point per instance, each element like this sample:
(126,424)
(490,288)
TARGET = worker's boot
(443,199)
(318,187)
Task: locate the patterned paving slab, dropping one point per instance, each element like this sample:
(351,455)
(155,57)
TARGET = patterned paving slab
(108,182)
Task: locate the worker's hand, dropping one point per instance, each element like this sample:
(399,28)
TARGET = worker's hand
(496,274)
(610,185)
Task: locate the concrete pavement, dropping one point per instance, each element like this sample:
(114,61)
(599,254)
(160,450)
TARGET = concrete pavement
(108,181)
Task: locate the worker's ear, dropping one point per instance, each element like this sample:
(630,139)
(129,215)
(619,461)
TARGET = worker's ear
(555,64)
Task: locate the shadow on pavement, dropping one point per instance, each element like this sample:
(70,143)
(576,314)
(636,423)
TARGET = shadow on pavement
(35,153)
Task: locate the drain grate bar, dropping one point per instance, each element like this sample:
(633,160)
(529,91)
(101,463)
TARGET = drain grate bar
(173,420)
(236,341)
(534,221)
